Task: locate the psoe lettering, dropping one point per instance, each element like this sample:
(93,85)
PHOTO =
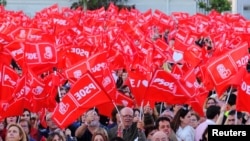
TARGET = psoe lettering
(84,91)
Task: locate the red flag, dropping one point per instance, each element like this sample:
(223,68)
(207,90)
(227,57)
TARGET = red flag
(106,108)
(16,50)
(84,94)
(8,81)
(99,69)
(40,56)
(193,55)
(18,101)
(243,94)
(163,88)
(197,102)
(138,84)
(122,99)
(226,66)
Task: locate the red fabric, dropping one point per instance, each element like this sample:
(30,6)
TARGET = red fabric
(243,94)
(193,55)
(163,88)
(122,99)
(8,82)
(85,93)
(226,66)
(40,56)
(138,83)
(99,69)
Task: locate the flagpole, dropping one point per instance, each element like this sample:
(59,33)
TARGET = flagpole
(236,119)
(228,94)
(141,110)
(117,110)
(58,87)
(161,108)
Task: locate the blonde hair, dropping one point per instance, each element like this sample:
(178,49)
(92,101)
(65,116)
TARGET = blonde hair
(102,132)
(21,131)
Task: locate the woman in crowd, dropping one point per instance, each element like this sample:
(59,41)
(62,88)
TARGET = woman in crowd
(210,101)
(195,120)
(181,125)
(100,135)
(56,136)
(15,133)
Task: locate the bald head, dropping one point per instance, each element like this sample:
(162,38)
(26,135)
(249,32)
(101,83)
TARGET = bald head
(127,115)
(127,111)
(160,136)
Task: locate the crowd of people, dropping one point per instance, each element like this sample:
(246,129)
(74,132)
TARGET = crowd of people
(163,122)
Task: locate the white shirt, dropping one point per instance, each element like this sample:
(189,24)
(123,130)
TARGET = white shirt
(201,128)
(185,134)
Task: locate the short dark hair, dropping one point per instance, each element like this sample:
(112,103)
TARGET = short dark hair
(232,99)
(212,111)
(149,128)
(114,112)
(239,114)
(159,119)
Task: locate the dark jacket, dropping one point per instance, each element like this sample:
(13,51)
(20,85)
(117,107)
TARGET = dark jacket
(129,134)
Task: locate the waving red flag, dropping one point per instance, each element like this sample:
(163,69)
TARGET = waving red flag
(16,50)
(243,94)
(226,67)
(99,69)
(122,99)
(197,102)
(138,84)
(40,56)
(8,81)
(85,93)
(163,87)
(19,100)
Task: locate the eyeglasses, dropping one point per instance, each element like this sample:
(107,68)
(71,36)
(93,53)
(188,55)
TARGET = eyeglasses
(193,120)
(127,116)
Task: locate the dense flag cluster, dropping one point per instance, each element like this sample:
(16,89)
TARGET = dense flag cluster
(175,58)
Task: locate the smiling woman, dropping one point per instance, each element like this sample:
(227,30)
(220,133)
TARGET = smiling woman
(15,133)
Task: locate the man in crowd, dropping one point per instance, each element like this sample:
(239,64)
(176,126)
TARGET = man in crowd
(91,124)
(163,124)
(212,115)
(127,129)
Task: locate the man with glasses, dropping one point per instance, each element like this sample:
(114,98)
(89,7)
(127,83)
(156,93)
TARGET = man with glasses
(127,129)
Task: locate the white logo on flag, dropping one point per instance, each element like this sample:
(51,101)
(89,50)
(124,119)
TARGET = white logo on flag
(124,102)
(7,78)
(106,81)
(48,53)
(22,33)
(245,88)
(63,108)
(161,81)
(223,72)
(38,90)
(77,73)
